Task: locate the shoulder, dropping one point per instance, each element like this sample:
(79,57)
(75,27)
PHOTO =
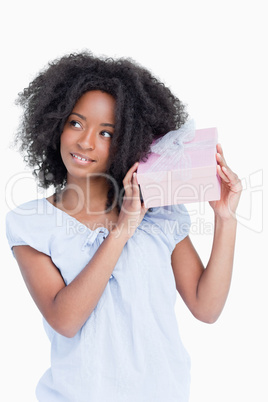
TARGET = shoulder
(173,221)
(29,223)
(30,212)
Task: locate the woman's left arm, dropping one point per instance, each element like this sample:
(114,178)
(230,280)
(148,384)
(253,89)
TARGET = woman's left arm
(205,290)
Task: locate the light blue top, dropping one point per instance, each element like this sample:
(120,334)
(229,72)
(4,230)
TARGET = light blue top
(129,349)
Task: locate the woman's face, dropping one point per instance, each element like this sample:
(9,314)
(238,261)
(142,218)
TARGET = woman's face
(86,137)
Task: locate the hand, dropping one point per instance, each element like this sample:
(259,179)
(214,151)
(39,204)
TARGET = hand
(231,188)
(132,210)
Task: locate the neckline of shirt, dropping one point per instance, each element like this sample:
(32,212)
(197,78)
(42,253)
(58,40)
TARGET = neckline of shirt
(99,229)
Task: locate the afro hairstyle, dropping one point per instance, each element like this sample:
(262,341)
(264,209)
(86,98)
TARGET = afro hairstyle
(145,110)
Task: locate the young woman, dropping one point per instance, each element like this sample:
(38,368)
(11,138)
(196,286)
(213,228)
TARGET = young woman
(102,270)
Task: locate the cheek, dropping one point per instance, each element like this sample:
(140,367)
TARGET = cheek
(64,140)
(106,151)
(64,143)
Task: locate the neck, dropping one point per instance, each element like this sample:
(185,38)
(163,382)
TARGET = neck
(89,196)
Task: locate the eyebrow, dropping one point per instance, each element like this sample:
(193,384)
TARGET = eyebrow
(79,115)
(107,125)
(84,118)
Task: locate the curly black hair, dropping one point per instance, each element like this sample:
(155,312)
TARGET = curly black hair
(145,110)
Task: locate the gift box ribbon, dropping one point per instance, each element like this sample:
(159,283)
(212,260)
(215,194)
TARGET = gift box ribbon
(171,150)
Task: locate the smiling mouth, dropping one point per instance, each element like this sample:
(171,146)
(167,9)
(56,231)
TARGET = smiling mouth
(82,158)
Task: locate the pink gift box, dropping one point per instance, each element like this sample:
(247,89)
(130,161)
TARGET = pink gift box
(194,180)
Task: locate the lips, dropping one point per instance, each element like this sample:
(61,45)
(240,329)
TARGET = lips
(81,158)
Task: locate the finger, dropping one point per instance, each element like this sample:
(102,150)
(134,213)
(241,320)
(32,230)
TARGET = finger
(135,186)
(219,149)
(132,190)
(133,169)
(229,173)
(127,182)
(222,175)
(233,178)
(220,160)
(128,176)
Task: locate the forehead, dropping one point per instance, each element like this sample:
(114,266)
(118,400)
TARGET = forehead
(96,103)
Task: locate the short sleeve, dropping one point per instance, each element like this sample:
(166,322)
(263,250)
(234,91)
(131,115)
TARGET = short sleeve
(24,226)
(13,232)
(173,220)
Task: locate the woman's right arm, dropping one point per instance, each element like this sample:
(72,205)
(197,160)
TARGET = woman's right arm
(66,308)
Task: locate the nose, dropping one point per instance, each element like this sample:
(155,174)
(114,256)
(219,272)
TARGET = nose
(87,140)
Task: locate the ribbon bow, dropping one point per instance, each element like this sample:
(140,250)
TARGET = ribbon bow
(171,146)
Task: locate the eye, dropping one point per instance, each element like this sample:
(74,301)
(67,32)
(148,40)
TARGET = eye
(106,134)
(75,124)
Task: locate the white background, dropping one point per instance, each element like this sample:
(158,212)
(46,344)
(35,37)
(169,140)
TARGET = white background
(213,55)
